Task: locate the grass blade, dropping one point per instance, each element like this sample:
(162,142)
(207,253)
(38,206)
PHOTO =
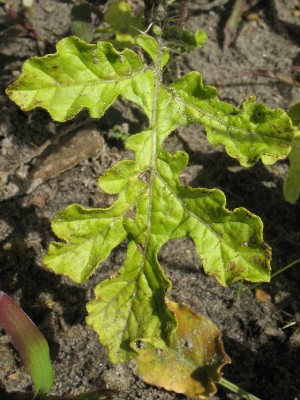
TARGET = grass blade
(28,341)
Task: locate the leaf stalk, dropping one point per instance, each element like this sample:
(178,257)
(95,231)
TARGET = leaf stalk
(237,390)
(242,292)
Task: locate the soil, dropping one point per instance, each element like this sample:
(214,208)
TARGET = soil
(261,333)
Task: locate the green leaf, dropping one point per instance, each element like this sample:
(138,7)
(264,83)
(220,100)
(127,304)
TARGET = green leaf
(291,187)
(152,206)
(193,40)
(294,113)
(132,302)
(82,21)
(91,235)
(29,342)
(123,25)
(78,76)
(151,47)
(186,41)
(248,133)
(192,363)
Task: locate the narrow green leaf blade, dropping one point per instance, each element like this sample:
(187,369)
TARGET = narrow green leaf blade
(82,21)
(29,342)
(192,363)
(233,22)
(294,113)
(291,187)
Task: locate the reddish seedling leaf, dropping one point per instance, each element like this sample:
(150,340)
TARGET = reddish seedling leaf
(101,394)
(233,22)
(22,21)
(28,341)
(269,73)
(192,363)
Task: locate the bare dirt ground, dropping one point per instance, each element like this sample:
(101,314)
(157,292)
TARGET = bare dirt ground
(261,337)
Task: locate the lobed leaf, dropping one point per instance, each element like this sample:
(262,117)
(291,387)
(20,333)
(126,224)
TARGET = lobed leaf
(248,133)
(131,305)
(90,234)
(192,363)
(152,206)
(78,76)
(91,76)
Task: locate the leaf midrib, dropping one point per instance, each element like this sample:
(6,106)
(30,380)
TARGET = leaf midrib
(153,170)
(99,81)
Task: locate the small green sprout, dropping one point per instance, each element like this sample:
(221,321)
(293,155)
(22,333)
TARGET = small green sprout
(34,351)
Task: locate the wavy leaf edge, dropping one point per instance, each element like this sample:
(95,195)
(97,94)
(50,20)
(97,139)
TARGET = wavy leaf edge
(152,206)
